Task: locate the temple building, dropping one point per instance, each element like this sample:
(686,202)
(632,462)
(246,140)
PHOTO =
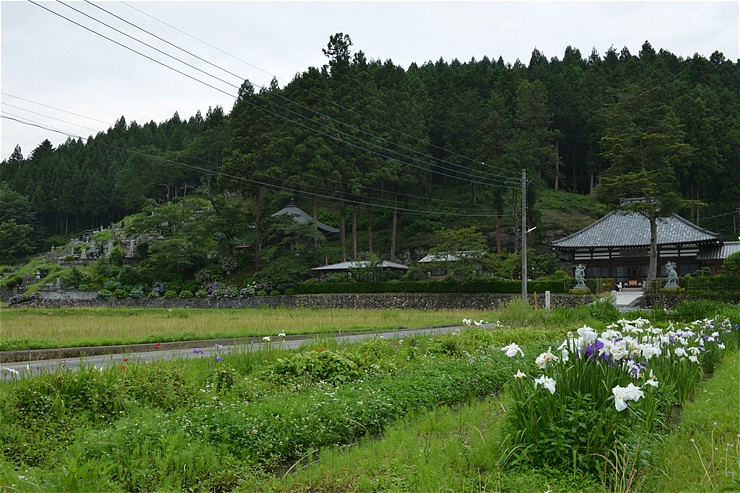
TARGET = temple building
(300,216)
(617,246)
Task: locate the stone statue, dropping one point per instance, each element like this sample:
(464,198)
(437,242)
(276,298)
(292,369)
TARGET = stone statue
(581,277)
(672,282)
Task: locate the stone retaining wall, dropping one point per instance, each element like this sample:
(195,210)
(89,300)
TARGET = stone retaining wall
(415,301)
(663,300)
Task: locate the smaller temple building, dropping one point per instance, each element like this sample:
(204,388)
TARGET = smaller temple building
(617,246)
(300,216)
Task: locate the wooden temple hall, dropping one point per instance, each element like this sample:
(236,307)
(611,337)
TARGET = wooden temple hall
(617,246)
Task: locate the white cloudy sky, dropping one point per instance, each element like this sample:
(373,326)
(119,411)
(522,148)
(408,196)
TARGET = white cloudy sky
(59,75)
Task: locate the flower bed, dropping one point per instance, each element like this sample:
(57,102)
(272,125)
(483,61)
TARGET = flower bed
(603,394)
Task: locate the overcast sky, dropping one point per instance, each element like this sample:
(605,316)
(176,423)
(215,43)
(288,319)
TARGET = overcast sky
(55,70)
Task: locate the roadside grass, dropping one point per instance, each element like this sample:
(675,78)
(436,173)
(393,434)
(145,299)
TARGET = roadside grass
(703,452)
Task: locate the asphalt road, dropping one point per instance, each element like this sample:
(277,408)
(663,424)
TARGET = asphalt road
(114,355)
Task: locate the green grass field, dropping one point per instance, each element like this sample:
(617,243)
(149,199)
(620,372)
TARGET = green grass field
(40,329)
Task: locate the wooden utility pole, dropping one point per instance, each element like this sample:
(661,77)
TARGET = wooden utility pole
(524,238)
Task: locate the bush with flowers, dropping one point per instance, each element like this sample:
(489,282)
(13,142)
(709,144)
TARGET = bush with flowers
(601,391)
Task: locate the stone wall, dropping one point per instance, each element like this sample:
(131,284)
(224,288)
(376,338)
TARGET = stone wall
(415,301)
(664,300)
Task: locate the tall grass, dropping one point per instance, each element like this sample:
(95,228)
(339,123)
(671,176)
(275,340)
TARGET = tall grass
(39,328)
(703,453)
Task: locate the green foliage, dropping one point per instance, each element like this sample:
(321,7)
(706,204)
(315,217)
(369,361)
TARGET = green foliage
(460,251)
(732,264)
(713,284)
(15,240)
(318,365)
(474,286)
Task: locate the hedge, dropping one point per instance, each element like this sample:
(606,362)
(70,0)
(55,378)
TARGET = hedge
(716,284)
(476,286)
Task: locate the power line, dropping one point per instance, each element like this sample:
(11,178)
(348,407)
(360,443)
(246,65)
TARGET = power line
(262,87)
(274,104)
(304,174)
(53,107)
(508,173)
(50,117)
(242,179)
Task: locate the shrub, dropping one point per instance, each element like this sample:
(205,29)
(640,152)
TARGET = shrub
(472,286)
(261,292)
(732,264)
(275,292)
(170,294)
(185,293)
(121,294)
(112,285)
(103,294)
(290,291)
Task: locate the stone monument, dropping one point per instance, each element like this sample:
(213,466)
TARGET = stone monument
(580,277)
(672,281)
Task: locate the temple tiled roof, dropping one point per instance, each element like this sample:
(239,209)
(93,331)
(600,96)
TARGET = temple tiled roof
(719,252)
(360,264)
(625,229)
(300,216)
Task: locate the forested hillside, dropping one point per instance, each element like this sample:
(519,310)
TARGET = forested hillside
(396,151)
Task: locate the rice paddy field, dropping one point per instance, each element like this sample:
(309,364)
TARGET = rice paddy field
(40,328)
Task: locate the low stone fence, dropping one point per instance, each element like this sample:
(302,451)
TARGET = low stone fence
(382,301)
(664,300)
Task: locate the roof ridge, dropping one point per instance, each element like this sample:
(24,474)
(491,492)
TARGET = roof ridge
(696,226)
(592,225)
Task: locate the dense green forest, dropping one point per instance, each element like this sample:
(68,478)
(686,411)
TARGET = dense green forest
(390,155)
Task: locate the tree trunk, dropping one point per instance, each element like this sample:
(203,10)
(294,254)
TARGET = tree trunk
(257,238)
(394,223)
(314,212)
(557,166)
(342,234)
(515,215)
(653,263)
(369,229)
(354,232)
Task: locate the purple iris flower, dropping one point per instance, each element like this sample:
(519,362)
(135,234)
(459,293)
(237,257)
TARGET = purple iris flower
(592,351)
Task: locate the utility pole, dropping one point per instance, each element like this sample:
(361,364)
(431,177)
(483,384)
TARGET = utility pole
(525,300)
